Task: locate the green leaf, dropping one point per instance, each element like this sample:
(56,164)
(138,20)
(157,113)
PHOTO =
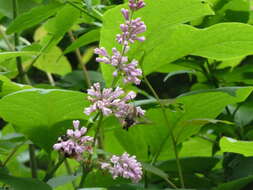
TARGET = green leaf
(8,86)
(61,180)
(154,170)
(190,165)
(201,105)
(55,27)
(244,115)
(9,55)
(158,16)
(24,183)
(204,105)
(241,147)
(24,5)
(53,62)
(43,115)
(232,11)
(238,184)
(33,17)
(211,43)
(83,40)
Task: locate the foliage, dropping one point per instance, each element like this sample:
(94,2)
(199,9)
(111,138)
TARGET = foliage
(196,90)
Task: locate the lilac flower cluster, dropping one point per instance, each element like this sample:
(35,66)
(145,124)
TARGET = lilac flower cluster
(125,166)
(74,143)
(130,33)
(110,101)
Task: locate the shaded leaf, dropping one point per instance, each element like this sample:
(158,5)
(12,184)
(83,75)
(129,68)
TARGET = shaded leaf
(24,183)
(43,115)
(33,17)
(83,40)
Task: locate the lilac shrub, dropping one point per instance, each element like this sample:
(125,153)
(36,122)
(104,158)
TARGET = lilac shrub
(112,101)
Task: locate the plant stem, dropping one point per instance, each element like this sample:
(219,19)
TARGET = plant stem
(97,129)
(50,78)
(21,74)
(12,154)
(50,174)
(174,143)
(79,58)
(68,168)
(88,167)
(33,163)
(85,171)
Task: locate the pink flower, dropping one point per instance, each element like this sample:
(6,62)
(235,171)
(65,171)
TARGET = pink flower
(136,4)
(125,166)
(74,143)
(110,101)
(130,30)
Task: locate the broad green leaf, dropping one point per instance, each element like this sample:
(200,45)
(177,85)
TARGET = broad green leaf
(196,146)
(159,17)
(7,86)
(43,115)
(228,144)
(210,42)
(53,62)
(33,17)
(83,40)
(9,55)
(55,27)
(148,138)
(24,183)
(24,5)
(238,184)
(190,165)
(204,105)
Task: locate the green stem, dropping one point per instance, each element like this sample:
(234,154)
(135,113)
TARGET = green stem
(174,144)
(50,78)
(80,61)
(12,154)
(88,167)
(33,163)
(85,171)
(22,76)
(51,172)
(69,171)
(97,131)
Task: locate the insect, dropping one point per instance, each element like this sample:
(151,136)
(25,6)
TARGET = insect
(132,118)
(64,138)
